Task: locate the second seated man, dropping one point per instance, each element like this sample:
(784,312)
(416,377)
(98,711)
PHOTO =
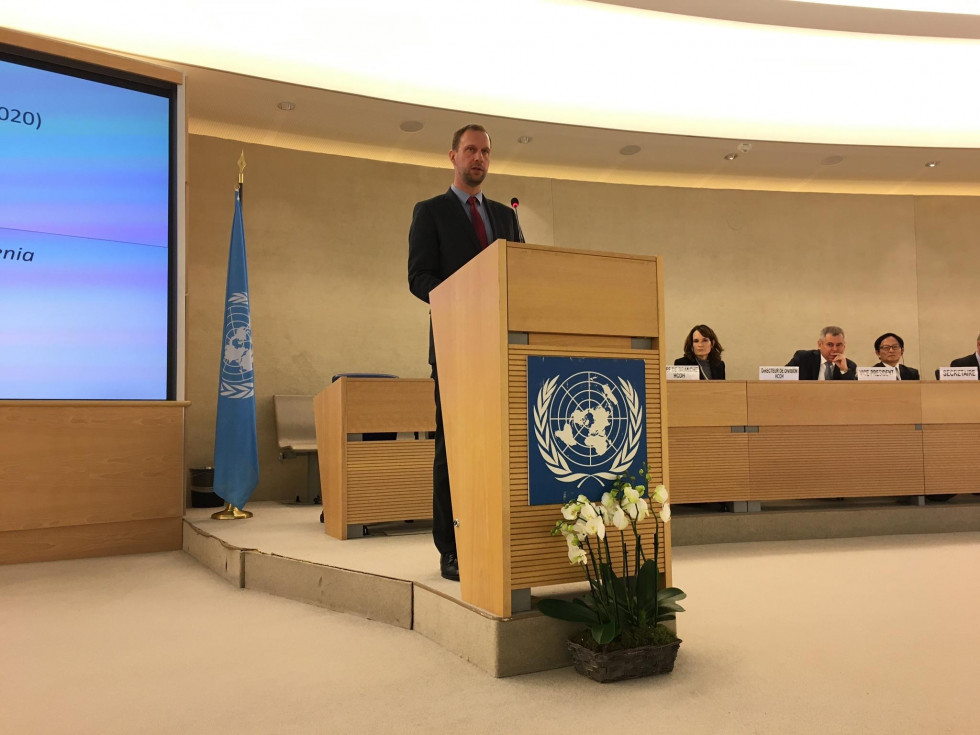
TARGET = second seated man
(827,362)
(890,348)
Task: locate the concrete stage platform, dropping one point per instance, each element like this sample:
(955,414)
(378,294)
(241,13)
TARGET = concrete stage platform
(392,576)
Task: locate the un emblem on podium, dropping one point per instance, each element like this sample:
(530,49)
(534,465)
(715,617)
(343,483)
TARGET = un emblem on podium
(586,425)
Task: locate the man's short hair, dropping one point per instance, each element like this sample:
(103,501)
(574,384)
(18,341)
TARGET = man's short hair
(472,126)
(832,331)
(886,335)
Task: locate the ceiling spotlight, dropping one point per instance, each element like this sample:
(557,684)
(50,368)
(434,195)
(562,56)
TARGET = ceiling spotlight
(743,147)
(831,160)
(629,150)
(286,106)
(731,156)
(411,126)
(932,164)
(525,139)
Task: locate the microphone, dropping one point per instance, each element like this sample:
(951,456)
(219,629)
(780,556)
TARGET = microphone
(515,203)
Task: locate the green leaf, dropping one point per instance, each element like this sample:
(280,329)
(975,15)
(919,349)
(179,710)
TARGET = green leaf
(646,584)
(671,593)
(672,606)
(604,633)
(565,610)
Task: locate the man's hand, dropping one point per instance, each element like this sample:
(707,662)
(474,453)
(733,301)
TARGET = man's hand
(841,362)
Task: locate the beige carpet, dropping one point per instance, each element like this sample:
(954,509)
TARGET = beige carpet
(876,635)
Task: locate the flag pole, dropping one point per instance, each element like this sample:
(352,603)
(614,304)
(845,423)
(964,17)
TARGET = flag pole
(231,512)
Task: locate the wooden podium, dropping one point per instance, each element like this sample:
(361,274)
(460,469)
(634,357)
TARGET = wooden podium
(374,481)
(510,302)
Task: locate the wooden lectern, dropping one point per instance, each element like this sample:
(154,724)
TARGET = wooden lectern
(512,301)
(374,481)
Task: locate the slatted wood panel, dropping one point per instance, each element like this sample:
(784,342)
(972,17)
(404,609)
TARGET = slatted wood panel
(708,465)
(952,458)
(537,558)
(787,462)
(389,481)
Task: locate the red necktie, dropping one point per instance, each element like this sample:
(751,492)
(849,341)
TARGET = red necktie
(481,231)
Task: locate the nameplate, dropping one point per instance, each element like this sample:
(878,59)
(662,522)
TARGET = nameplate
(876,373)
(778,372)
(683,372)
(951,373)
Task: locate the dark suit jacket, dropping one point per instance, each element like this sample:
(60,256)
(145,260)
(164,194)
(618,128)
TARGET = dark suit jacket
(808,361)
(968,361)
(717,368)
(442,240)
(907,373)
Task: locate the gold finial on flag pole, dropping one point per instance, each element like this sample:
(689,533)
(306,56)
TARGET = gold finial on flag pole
(241,177)
(231,513)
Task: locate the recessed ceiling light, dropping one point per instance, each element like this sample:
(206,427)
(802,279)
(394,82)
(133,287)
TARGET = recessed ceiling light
(525,139)
(831,160)
(932,164)
(731,156)
(286,106)
(743,147)
(629,150)
(411,126)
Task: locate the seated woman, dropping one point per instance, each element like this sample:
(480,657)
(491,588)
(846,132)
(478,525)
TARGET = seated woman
(890,348)
(703,349)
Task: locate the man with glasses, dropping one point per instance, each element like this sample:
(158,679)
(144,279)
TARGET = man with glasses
(890,348)
(827,362)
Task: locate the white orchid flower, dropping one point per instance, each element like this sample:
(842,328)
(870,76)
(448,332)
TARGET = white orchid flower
(608,506)
(579,530)
(642,509)
(665,512)
(570,510)
(630,495)
(577,555)
(619,519)
(659,494)
(595,527)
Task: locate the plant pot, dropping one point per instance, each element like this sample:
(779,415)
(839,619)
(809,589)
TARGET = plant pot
(627,663)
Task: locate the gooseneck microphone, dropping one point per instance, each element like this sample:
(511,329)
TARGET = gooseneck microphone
(515,203)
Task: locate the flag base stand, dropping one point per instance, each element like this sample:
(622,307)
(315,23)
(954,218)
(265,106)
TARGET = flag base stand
(231,513)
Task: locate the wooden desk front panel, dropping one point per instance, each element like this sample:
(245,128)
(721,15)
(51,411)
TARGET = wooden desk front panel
(951,402)
(708,465)
(72,464)
(389,481)
(952,458)
(706,403)
(816,403)
(388,404)
(790,462)
(94,478)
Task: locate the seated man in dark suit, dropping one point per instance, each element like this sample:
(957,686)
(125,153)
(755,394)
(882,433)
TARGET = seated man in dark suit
(889,348)
(968,361)
(827,362)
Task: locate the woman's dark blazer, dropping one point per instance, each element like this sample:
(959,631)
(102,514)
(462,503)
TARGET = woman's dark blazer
(717,368)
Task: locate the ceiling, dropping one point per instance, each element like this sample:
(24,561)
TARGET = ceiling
(244,107)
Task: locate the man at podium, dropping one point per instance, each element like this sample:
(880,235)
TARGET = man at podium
(447,231)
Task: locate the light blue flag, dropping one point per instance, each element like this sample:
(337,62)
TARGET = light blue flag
(236,448)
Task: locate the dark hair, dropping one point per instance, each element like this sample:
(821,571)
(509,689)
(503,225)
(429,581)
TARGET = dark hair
(886,335)
(716,349)
(472,126)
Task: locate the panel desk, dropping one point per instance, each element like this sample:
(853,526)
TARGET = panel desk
(761,440)
(90,478)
